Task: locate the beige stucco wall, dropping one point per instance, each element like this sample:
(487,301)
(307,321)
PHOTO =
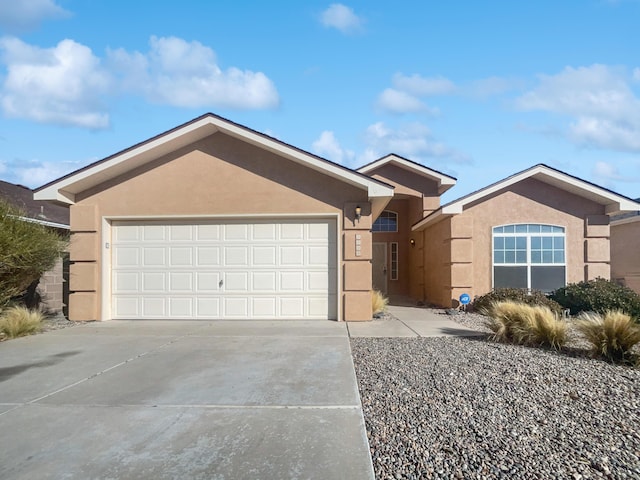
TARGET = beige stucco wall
(218,175)
(437,262)
(625,253)
(458,255)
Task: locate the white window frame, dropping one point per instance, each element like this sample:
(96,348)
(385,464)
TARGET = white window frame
(528,236)
(385,231)
(393,261)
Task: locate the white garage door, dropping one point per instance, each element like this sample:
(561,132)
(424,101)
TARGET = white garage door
(282,269)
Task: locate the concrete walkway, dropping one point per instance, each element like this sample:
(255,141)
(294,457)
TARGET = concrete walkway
(181,399)
(411,322)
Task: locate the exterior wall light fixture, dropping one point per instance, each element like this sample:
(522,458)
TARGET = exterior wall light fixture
(412,242)
(358,212)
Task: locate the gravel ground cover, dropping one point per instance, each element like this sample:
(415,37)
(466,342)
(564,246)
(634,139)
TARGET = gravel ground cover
(57,322)
(469,408)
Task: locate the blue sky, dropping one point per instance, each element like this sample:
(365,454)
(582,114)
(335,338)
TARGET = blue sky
(478,90)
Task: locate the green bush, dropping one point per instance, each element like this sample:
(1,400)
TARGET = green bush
(483,303)
(27,250)
(599,296)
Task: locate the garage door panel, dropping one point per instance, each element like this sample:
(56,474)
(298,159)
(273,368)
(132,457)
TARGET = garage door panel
(318,307)
(236,282)
(126,282)
(208,256)
(153,282)
(292,255)
(318,231)
(127,307)
(236,307)
(181,257)
(317,255)
(126,256)
(292,281)
(236,256)
(154,233)
(263,307)
(264,232)
(207,281)
(181,232)
(292,307)
(292,231)
(154,256)
(207,232)
(264,282)
(180,307)
(181,282)
(208,307)
(317,281)
(224,269)
(154,307)
(264,256)
(236,232)
(128,233)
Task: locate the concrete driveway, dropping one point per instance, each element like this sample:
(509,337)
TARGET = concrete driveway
(181,399)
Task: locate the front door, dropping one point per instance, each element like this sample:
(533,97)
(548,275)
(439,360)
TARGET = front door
(379,267)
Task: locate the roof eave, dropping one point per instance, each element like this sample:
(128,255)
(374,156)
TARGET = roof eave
(445,182)
(64,189)
(613,202)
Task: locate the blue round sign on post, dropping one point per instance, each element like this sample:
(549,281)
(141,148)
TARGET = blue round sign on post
(465,298)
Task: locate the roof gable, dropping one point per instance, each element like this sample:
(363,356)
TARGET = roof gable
(65,188)
(612,201)
(445,182)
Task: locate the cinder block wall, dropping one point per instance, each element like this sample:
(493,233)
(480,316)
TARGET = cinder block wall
(51,288)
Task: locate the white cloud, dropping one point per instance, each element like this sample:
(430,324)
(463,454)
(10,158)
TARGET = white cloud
(69,85)
(606,171)
(328,146)
(423,86)
(61,85)
(413,141)
(490,86)
(605,133)
(16,15)
(605,111)
(342,18)
(396,101)
(34,173)
(186,74)
(636,74)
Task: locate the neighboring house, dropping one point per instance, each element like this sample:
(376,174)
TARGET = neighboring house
(215,220)
(52,286)
(625,249)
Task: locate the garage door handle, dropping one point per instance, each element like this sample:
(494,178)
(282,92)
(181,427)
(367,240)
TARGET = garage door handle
(220,283)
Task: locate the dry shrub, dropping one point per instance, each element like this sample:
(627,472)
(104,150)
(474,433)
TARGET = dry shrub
(19,321)
(518,295)
(520,323)
(612,335)
(378,302)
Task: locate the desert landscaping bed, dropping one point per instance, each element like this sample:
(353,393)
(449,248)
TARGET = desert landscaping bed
(469,408)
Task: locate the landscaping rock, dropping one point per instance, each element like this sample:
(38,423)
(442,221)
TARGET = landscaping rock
(468,408)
